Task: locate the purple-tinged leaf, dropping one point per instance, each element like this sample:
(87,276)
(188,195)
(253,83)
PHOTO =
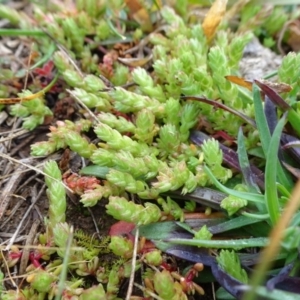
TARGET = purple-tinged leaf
(230,157)
(293,116)
(272,120)
(294,144)
(274,96)
(282,275)
(189,253)
(196,255)
(289,284)
(245,165)
(270,113)
(230,284)
(291,143)
(237,288)
(205,196)
(292,170)
(220,105)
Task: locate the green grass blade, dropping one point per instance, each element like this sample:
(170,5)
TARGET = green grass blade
(284,177)
(64,271)
(256,198)
(294,119)
(245,165)
(271,194)
(222,244)
(283,191)
(265,137)
(231,224)
(275,294)
(261,121)
(45,58)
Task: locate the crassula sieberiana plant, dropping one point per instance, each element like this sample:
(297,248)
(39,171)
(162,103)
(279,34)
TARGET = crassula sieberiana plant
(146,146)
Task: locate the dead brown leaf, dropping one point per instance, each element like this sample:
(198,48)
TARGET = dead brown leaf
(135,62)
(240,81)
(294,35)
(279,87)
(140,14)
(214,18)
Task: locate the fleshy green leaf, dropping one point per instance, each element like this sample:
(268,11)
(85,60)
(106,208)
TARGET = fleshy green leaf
(230,263)
(203,234)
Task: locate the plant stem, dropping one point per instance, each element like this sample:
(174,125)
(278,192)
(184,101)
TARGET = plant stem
(18,32)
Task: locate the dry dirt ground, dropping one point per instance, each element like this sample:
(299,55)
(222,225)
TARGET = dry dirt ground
(23,200)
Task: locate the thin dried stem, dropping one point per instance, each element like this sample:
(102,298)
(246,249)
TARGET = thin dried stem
(12,240)
(84,106)
(16,178)
(29,241)
(148,292)
(133,265)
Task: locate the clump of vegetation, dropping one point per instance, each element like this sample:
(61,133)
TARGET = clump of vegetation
(167,128)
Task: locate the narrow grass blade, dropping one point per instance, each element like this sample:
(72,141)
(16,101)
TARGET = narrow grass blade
(245,165)
(64,271)
(46,57)
(256,198)
(195,255)
(283,191)
(271,195)
(222,244)
(188,253)
(294,119)
(275,294)
(261,122)
(234,223)
(284,177)
(265,137)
